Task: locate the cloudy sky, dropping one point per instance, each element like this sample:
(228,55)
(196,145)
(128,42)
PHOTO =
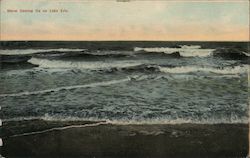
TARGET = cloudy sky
(213,20)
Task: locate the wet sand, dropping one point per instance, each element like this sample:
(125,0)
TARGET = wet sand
(100,139)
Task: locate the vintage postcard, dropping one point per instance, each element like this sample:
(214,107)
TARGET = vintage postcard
(124,78)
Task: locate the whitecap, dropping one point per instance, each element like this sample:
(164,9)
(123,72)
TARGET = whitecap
(33,51)
(190,69)
(184,51)
(45,63)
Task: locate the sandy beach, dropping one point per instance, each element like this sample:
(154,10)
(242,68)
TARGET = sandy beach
(101,139)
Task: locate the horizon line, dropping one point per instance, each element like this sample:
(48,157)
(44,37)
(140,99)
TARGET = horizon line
(124,40)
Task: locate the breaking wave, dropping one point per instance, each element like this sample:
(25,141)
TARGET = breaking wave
(132,66)
(185,51)
(45,63)
(190,69)
(185,69)
(81,54)
(34,51)
(191,46)
(48,117)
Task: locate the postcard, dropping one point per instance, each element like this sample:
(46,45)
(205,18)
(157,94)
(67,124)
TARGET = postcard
(124,78)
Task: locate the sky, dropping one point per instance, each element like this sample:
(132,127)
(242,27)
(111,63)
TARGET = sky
(146,20)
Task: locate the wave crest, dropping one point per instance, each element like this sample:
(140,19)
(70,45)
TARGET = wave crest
(132,66)
(45,63)
(34,51)
(190,69)
(184,51)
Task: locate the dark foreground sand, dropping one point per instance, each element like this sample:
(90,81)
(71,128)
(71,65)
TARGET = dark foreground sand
(95,139)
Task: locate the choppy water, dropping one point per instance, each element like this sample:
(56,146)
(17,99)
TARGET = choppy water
(146,85)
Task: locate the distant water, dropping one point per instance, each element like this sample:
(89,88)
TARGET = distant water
(144,85)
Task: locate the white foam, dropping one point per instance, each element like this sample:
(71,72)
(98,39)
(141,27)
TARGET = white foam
(185,51)
(22,119)
(162,121)
(247,54)
(45,63)
(189,69)
(34,70)
(191,46)
(105,83)
(60,128)
(174,121)
(33,51)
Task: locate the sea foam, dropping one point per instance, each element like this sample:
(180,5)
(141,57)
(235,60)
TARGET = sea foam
(190,69)
(45,63)
(67,88)
(185,51)
(34,51)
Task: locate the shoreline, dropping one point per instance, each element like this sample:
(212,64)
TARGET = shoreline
(102,139)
